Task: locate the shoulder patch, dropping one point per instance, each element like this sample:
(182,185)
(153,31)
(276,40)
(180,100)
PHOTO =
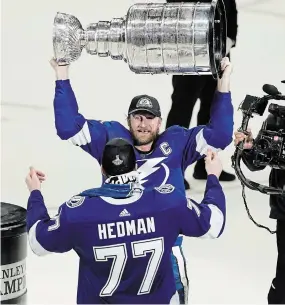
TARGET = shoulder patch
(165,188)
(75,201)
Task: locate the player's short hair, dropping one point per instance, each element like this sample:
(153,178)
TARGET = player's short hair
(118,157)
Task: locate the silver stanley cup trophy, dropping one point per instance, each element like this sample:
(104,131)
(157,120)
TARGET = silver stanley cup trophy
(171,38)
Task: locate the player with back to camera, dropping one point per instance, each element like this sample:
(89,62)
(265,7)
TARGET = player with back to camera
(161,157)
(122,232)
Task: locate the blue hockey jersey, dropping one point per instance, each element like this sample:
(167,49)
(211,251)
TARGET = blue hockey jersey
(175,149)
(123,235)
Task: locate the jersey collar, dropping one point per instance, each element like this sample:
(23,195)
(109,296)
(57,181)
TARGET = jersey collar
(129,178)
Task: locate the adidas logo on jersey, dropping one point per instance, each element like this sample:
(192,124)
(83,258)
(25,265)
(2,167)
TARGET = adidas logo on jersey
(124,213)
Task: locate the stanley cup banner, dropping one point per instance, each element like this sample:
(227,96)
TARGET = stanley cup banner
(153,38)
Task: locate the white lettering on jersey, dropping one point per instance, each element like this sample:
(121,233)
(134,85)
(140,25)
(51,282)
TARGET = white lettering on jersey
(165,148)
(191,205)
(56,220)
(126,228)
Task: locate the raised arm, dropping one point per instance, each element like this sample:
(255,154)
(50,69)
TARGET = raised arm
(217,134)
(90,135)
(46,234)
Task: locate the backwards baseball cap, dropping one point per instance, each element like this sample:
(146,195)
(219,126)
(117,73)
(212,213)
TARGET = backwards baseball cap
(145,103)
(118,157)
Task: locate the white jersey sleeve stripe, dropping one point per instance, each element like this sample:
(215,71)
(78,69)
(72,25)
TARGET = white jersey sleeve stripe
(83,137)
(202,145)
(216,222)
(37,248)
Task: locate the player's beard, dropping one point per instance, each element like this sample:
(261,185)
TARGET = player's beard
(139,140)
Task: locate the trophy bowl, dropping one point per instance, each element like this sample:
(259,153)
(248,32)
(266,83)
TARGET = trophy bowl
(68,38)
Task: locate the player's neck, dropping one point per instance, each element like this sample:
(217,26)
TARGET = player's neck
(145,148)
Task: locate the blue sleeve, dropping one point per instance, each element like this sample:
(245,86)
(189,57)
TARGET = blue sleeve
(206,219)
(47,235)
(90,135)
(216,135)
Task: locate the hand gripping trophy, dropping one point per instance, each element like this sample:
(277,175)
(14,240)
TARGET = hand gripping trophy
(153,38)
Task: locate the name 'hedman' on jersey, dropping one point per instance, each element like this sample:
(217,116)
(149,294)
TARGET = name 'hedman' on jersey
(126,228)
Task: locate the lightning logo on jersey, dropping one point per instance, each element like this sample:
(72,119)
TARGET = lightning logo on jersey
(149,167)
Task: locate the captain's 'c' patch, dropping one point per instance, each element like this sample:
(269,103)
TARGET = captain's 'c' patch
(75,201)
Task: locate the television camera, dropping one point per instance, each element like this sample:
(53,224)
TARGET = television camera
(268,147)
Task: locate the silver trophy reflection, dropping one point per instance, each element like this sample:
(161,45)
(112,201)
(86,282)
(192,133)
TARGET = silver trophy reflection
(170,38)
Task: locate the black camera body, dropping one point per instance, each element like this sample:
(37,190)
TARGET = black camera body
(269,146)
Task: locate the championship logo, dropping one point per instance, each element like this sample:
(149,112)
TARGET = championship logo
(144,102)
(117,161)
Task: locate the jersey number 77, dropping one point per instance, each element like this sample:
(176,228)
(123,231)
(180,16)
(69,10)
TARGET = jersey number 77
(119,255)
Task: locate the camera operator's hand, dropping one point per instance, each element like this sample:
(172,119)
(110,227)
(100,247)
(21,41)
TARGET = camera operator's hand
(61,71)
(240,136)
(213,164)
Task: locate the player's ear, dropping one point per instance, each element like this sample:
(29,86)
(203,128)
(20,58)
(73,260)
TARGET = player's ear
(129,121)
(159,123)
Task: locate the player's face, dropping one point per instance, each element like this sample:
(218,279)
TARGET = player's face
(144,127)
